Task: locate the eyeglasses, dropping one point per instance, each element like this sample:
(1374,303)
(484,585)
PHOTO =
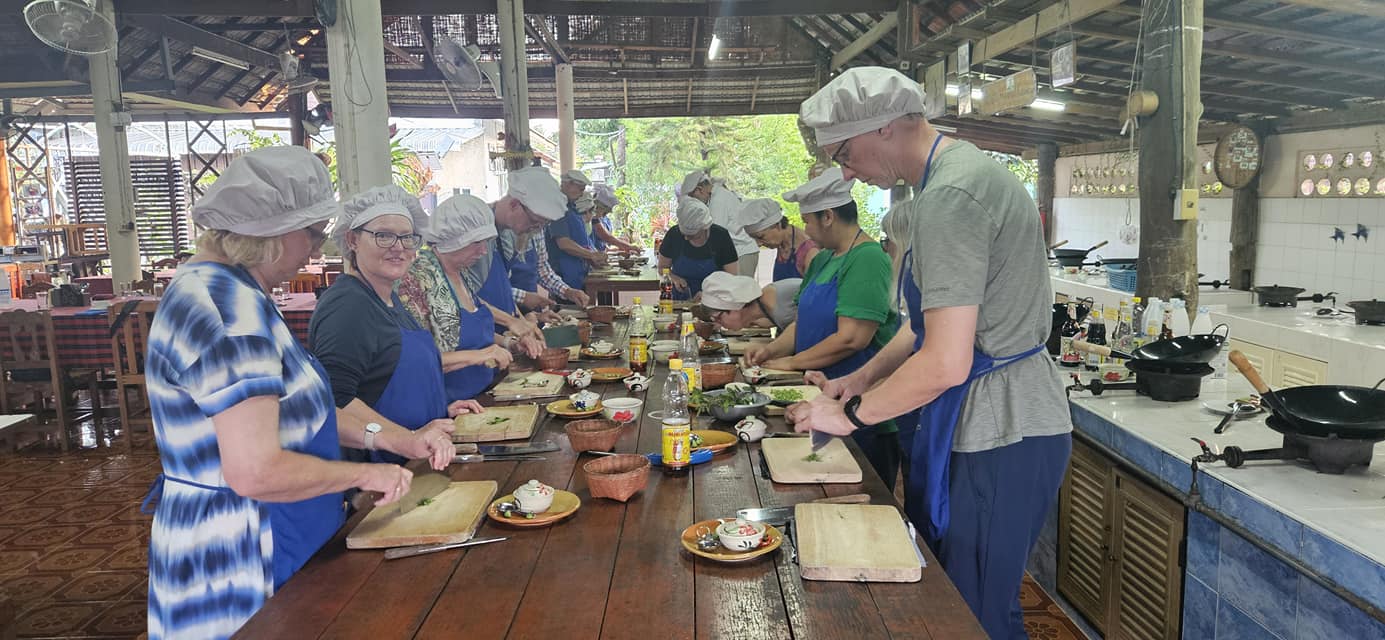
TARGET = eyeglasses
(386,239)
(837,157)
(535,221)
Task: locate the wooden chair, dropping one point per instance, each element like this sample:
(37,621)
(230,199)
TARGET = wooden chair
(127,351)
(145,286)
(36,289)
(305,283)
(30,379)
(166,263)
(330,271)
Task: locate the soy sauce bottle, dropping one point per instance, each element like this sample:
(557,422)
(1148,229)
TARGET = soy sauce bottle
(1066,334)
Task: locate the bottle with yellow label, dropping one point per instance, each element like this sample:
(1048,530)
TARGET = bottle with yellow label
(688,351)
(676,433)
(641,325)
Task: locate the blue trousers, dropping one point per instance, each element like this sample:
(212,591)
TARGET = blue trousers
(999,500)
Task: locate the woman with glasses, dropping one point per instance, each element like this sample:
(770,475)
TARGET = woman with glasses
(436,295)
(695,248)
(844,310)
(735,302)
(570,247)
(250,442)
(764,221)
(385,369)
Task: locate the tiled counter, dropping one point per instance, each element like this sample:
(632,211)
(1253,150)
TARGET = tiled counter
(1095,287)
(1354,354)
(1333,524)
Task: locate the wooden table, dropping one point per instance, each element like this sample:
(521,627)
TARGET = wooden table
(605,289)
(613,570)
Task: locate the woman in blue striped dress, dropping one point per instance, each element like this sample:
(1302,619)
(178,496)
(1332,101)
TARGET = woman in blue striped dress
(247,430)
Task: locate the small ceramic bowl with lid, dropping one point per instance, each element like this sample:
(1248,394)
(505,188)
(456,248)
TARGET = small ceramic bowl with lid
(580,379)
(741,535)
(534,497)
(602,347)
(584,400)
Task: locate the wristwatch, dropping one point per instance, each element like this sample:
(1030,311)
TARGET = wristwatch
(850,410)
(371,429)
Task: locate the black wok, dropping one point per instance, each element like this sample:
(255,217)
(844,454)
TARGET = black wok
(1191,349)
(1368,310)
(1075,257)
(1322,410)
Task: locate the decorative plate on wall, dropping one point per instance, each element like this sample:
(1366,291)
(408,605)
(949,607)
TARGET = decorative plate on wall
(1380,187)
(1363,186)
(1367,159)
(1348,160)
(1237,157)
(1310,162)
(1343,186)
(1217,188)
(1324,187)
(1307,187)
(1326,161)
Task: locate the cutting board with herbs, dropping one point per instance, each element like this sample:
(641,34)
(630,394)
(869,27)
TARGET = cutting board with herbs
(854,543)
(791,461)
(788,394)
(450,516)
(514,422)
(536,383)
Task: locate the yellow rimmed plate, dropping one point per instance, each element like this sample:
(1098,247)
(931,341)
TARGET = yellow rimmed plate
(773,540)
(715,441)
(565,503)
(564,409)
(610,374)
(614,353)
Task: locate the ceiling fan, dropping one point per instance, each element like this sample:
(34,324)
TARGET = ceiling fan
(72,26)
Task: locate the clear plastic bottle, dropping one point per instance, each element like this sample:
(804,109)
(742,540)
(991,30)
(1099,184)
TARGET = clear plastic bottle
(641,327)
(1123,336)
(688,351)
(1203,324)
(676,433)
(1179,323)
(1154,319)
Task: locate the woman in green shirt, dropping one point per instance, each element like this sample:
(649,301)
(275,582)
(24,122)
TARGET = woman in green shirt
(844,311)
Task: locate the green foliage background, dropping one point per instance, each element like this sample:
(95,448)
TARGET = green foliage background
(759,156)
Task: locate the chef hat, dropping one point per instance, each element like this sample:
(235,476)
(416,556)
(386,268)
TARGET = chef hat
(536,189)
(458,222)
(824,192)
(760,214)
(584,203)
(374,203)
(268,192)
(605,196)
(725,292)
(860,100)
(693,216)
(574,175)
(691,181)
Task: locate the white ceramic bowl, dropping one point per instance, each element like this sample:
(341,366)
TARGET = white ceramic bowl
(661,319)
(737,541)
(612,406)
(583,400)
(531,501)
(601,346)
(662,349)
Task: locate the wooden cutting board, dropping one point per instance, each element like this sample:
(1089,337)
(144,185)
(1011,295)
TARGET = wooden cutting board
(452,516)
(854,543)
(473,427)
(534,383)
(786,464)
(737,346)
(809,392)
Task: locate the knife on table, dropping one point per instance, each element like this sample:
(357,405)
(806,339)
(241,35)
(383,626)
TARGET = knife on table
(780,515)
(418,550)
(481,457)
(525,396)
(507,449)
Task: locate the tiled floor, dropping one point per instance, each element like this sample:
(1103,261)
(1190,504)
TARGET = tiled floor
(73,558)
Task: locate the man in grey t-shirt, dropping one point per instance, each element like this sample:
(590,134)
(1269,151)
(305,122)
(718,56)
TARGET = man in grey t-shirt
(994,429)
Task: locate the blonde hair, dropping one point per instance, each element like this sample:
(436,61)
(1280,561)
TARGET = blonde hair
(243,250)
(895,226)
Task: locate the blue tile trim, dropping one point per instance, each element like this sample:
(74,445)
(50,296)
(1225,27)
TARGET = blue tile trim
(1199,610)
(1092,425)
(1262,520)
(1204,548)
(1344,566)
(1257,584)
(1324,616)
(1233,624)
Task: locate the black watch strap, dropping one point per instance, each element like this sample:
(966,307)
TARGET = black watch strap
(850,410)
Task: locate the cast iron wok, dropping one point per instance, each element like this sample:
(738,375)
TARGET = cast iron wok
(1192,349)
(1323,411)
(1368,310)
(1075,257)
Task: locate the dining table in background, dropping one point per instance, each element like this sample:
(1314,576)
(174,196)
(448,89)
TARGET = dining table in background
(606,288)
(614,569)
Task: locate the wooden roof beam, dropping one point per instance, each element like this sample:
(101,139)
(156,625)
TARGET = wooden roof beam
(667,9)
(884,27)
(190,34)
(1049,20)
(1277,80)
(1284,29)
(1369,8)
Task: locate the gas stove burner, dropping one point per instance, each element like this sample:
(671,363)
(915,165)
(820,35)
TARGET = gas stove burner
(1279,297)
(1327,455)
(1372,323)
(1279,304)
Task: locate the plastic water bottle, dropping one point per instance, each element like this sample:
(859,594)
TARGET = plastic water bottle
(676,432)
(1153,320)
(1180,324)
(688,350)
(641,327)
(1203,323)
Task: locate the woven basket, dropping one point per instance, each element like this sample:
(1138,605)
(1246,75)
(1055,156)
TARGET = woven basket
(584,332)
(592,435)
(716,376)
(554,358)
(704,330)
(606,314)
(617,477)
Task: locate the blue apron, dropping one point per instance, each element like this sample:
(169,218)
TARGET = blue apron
(415,394)
(926,495)
(300,528)
(597,242)
(572,269)
(476,332)
(694,271)
(817,320)
(496,288)
(524,274)
(789,267)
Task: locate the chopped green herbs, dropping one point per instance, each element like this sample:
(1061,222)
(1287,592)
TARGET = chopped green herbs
(425,502)
(812,457)
(786,395)
(497,420)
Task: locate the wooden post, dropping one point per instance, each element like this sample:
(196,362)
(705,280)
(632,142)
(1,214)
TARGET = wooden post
(298,107)
(6,201)
(1245,231)
(360,105)
(117,191)
(1168,154)
(1048,162)
(567,124)
(514,79)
